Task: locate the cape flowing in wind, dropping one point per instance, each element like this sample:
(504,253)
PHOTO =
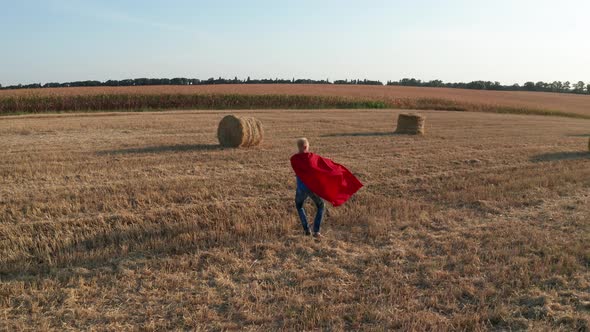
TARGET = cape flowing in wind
(327,179)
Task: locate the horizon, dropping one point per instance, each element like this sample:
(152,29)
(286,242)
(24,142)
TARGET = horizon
(462,41)
(258,80)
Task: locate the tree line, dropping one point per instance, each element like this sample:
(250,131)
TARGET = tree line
(178,81)
(556,86)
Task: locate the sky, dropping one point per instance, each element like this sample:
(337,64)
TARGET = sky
(511,41)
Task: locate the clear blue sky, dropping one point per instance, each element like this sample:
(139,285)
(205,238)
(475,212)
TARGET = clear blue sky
(455,40)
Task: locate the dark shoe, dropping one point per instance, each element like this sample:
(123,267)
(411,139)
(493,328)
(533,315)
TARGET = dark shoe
(318,235)
(308,233)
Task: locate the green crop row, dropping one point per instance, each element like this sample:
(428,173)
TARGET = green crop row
(137,102)
(134,102)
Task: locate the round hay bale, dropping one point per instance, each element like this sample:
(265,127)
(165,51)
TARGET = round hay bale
(412,124)
(237,131)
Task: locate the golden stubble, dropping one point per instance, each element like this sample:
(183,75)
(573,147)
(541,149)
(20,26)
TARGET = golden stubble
(125,221)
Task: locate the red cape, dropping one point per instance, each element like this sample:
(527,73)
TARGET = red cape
(327,179)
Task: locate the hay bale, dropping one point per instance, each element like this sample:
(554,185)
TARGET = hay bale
(236,131)
(412,124)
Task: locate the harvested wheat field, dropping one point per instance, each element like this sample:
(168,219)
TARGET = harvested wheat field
(141,221)
(428,97)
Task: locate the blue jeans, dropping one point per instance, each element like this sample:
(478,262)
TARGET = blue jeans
(300,196)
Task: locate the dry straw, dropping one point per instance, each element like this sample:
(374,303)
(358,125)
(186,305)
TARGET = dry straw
(410,124)
(234,131)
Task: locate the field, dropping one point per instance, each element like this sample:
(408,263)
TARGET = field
(326,96)
(139,220)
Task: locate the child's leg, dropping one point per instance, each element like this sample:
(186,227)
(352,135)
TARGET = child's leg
(300,197)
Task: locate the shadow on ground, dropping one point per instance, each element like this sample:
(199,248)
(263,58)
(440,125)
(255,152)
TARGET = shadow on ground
(165,148)
(360,134)
(556,156)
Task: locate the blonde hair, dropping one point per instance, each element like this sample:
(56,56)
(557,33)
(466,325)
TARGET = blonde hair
(302,143)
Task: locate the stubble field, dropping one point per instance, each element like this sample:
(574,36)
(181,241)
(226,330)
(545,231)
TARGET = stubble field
(139,220)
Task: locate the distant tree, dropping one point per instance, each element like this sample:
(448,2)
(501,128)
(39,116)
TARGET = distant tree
(556,86)
(529,86)
(541,86)
(478,85)
(566,86)
(410,82)
(588,88)
(436,83)
(179,81)
(51,85)
(579,87)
